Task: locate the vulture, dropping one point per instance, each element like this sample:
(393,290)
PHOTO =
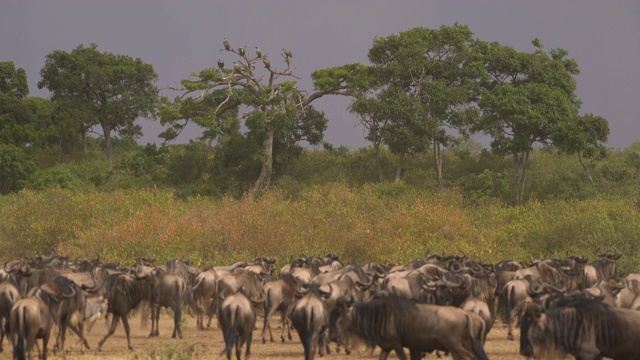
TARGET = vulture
(258,52)
(237,67)
(220,64)
(287,53)
(241,51)
(266,62)
(227,46)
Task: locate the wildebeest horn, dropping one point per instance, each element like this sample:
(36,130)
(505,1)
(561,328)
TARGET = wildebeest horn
(12,267)
(322,290)
(73,291)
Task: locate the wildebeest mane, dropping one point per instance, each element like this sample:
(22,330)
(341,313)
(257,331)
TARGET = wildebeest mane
(370,319)
(580,318)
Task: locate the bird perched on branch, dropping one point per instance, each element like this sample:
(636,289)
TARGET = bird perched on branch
(241,51)
(237,68)
(287,53)
(266,62)
(220,64)
(227,46)
(258,52)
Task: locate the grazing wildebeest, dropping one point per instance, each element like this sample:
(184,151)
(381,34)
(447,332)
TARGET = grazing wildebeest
(395,322)
(31,318)
(237,319)
(127,292)
(310,319)
(582,327)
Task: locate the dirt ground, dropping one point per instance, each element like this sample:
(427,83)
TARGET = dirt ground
(209,343)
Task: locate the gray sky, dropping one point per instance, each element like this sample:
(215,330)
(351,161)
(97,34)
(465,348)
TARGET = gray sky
(178,37)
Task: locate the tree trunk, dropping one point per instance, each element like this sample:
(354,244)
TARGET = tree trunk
(585,167)
(267,164)
(106,129)
(520,164)
(376,150)
(399,168)
(437,153)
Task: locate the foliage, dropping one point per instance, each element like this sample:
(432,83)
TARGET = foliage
(390,222)
(106,89)
(16,167)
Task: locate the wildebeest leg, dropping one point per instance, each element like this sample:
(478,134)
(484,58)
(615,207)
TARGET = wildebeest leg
(80,332)
(247,355)
(112,329)
(416,354)
(45,341)
(265,324)
(155,318)
(125,323)
(3,331)
(177,319)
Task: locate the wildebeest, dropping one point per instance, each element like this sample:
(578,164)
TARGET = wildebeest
(31,318)
(279,296)
(68,306)
(582,327)
(310,319)
(127,292)
(237,320)
(394,322)
(171,291)
(9,294)
(200,297)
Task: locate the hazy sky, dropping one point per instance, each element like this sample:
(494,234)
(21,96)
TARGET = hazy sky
(178,37)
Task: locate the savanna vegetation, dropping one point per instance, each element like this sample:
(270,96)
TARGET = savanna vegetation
(262,180)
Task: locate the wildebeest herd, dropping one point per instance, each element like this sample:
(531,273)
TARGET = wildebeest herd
(442,303)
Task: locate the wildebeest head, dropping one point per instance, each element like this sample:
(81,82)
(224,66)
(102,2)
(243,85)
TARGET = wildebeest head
(340,319)
(533,316)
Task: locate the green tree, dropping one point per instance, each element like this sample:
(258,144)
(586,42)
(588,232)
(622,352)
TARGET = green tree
(16,167)
(214,97)
(526,98)
(110,90)
(432,76)
(370,112)
(583,135)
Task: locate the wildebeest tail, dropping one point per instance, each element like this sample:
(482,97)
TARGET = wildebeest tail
(230,336)
(507,306)
(267,312)
(21,320)
(476,339)
(308,349)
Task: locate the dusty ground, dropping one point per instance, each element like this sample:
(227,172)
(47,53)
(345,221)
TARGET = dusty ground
(208,344)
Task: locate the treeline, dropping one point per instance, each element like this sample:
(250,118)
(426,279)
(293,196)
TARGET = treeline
(423,95)
(200,169)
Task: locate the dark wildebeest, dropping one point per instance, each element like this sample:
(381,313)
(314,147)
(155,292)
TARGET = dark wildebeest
(171,290)
(31,318)
(127,292)
(582,327)
(454,290)
(310,319)
(395,322)
(237,319)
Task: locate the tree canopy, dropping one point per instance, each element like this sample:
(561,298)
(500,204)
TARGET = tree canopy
(106,89)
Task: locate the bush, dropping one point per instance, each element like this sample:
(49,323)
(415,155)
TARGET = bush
(16,167)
